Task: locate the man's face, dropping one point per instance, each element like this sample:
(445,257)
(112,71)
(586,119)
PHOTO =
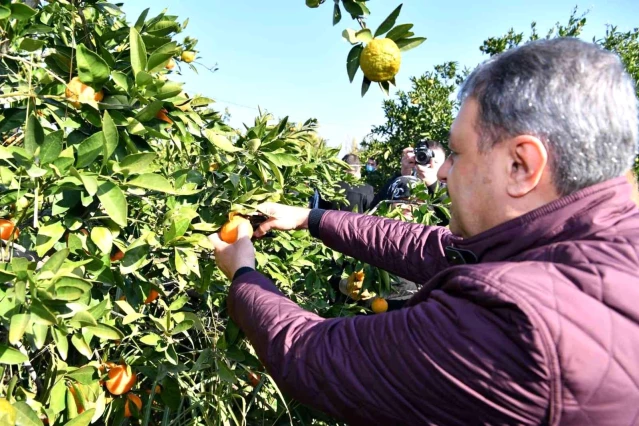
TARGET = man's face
(475,181)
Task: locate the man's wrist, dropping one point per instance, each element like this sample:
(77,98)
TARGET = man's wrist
(313,221)
(241,271)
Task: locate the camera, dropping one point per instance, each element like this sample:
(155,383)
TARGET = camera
(423,153)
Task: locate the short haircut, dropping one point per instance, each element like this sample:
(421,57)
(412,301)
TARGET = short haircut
(351,159)
(575,96)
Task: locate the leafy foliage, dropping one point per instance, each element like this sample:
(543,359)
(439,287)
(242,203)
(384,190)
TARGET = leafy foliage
(114,186)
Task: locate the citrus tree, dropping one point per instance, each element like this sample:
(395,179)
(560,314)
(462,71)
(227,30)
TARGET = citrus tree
(112,176)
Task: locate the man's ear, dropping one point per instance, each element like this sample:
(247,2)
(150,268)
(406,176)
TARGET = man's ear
(528,159)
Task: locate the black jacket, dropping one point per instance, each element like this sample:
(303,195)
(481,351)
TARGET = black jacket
(384,194)
(359,198)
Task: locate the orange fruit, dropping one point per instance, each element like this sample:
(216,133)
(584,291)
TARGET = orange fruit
(229,231)
(254,379)
(161,115)
(132,398)
(379,305)
(188,56)
(171,64)
(6,229)
(158,390)
(153,294)
(116,254)
(121,379)
(79,93)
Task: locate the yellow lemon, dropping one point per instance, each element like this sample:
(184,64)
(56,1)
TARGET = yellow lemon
(380,59)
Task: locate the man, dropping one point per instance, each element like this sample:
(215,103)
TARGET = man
(427,173)
(358,197)
(529,314)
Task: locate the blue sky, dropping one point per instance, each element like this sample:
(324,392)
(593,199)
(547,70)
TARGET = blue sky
(289,59)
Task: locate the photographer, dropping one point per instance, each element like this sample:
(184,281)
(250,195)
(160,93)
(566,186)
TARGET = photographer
(529,314)
(423,162)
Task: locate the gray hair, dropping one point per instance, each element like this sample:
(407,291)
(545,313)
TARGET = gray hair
(573,95)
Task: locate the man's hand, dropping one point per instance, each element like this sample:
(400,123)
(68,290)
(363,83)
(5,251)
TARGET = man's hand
(282,218)
(231,257)
(408,161)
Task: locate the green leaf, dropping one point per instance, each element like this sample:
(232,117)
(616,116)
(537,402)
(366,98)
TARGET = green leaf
(54,263)
(134,258)
(220,141)
(75,282)
(34,135)
(138,52)
(30,44)
(149,112)
(120,80)
(78,342)
(5,12)
(21,11)
(181,327)
(114,202)
(399,31)
(171,355)
(92,69)
(353,7)
(337,14)
(102,238)
(180,264)
(410,43)
(111,136)
(25,416)
(51,147)
(136,163)
(349,36)
(139,24)
(68,293)
(85,375)
(61,342)
(364,35)
(160,57)
(48,235)
(225,372)
(352,61)
(150,339)
(106,332)
(11,356)
(153,182)
(389,22)
(90,183)
(42,315)
(17,327)
(83,419)
(132,318)
(179,303)
(84,318)
(366,83)
(282,160)
(385,86)
(89,149)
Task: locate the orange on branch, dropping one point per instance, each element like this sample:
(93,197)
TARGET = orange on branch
(230,230)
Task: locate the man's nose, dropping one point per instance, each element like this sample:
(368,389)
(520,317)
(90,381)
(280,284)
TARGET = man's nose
(442,173)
